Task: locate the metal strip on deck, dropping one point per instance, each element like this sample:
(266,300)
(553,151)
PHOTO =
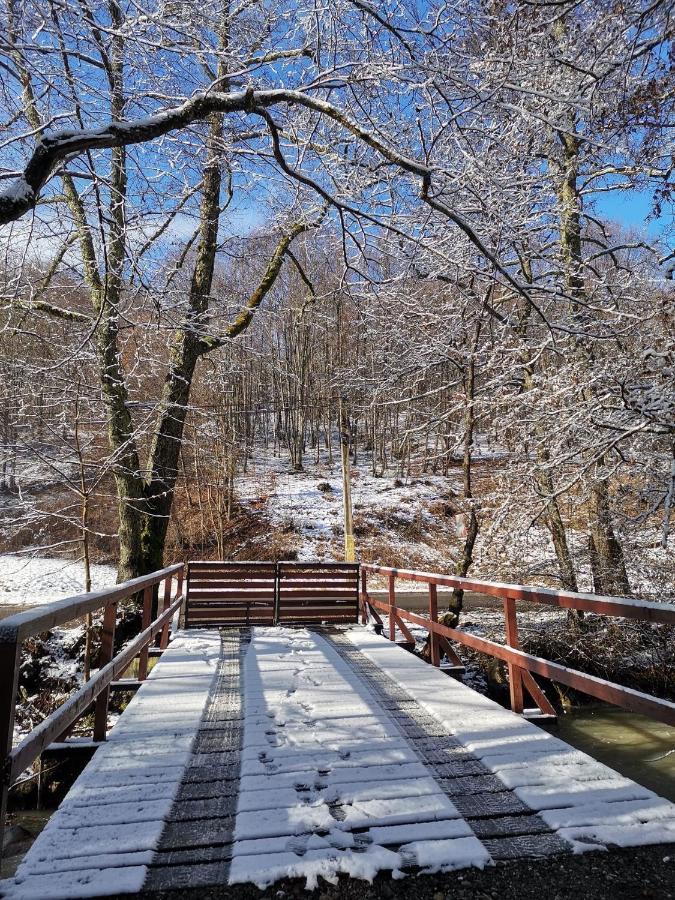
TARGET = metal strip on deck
(316,752)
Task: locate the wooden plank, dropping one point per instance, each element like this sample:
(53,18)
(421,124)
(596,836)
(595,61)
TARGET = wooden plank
(324,586)
(234,584)
(342,609)
(230,623)
(255,598)
(145,622)
(318,594)
(515,672)
(537,694)
(435,650)
(391,590)
(314,574)
(202,619)
(294,565)
(450,652)
(231,614)
(105,656)
(405,631)
(364,597)
(231,564)
(164,635)
(222,594)
(318,603)
(10,657)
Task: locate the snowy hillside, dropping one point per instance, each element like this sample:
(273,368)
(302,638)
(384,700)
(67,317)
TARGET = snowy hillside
(395,521)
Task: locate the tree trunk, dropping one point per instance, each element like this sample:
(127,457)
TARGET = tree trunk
(607,560)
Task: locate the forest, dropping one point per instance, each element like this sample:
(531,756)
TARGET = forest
(258,257)
(223,221)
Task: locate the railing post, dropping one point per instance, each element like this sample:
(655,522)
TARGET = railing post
(180,579)
(164,634)
(392,607)
(277,593)
(186,601)
(515,673)
(10,652)
(433,617)
(104,657)
(145,623)
(364,597)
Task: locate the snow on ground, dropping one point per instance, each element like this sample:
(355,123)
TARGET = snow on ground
(588,804)
(329,784)
(309,503)
(33,581)
(412,522)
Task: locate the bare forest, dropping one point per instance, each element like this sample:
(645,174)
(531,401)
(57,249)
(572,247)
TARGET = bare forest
(232,232)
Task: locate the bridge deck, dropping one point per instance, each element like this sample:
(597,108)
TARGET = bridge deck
(249,756)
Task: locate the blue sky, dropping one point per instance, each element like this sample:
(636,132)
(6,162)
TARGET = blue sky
(633,209)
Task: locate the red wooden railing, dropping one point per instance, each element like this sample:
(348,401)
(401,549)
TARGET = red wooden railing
(521,665)
(14,631)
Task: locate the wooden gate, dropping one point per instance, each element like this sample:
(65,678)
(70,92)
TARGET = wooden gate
(219,594)
(317,592)
(230,593)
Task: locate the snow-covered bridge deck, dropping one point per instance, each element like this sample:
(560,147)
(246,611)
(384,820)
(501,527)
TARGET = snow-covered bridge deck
(253,755)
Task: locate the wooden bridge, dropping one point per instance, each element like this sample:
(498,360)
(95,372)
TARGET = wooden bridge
(277,737)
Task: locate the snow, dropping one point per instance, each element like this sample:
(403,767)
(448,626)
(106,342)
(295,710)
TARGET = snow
(108,827)
(320,755)
(383,505)
(17,191)
(582,799)
(329,784)
(33,581)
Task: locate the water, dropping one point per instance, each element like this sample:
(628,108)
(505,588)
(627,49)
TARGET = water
(639,748)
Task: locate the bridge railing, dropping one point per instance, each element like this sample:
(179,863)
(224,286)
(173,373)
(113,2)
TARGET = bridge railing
(521,665)
(15,629)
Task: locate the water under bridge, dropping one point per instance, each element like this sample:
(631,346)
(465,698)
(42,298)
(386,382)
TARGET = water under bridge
(284,732)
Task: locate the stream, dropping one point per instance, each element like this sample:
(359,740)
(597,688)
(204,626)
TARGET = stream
(639,748)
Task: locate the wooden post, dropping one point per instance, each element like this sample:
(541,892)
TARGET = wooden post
(345,441)
(392,609)
(9,682)
(364,597)
(180,576)
(145,623)
(104,657)
(277,594)
(164,634)
(512,640)
(433,616)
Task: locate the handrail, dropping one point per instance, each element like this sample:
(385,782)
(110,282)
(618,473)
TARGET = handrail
(15,629)
(643,610)
(34,621)
(520,664)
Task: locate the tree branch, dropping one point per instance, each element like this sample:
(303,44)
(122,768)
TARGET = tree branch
(245,316)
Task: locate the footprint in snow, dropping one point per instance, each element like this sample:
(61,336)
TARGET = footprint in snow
(297,845)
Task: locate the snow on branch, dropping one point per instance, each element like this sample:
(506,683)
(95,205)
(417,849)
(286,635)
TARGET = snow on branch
(22,194)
